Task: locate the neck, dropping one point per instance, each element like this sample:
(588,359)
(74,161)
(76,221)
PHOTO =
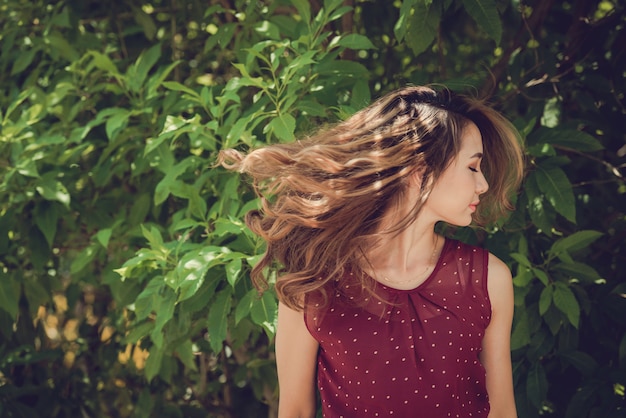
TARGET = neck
(405,254)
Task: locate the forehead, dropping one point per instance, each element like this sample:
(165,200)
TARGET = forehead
(471,141)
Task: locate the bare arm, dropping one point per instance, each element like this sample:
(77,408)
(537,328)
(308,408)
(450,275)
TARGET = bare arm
(496,354)
(296,360)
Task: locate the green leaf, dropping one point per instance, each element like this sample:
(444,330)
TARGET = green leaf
(522,259)
(520,337)
(537,385)
(523,277)
(244,305)
(355,41)
(145,21)
(247,79)
(28,168)
(103,236)
(164,303)
(61,46)
(139,209)
(51,189)
(485,13)
(557,189)
(304,9)
(176,86)
(139,70)
(83,258)
(566,302)
(402,24)
(148,298)
(541,275)
(267,30)
(545,300)
(337,13)
(233,271)
(331,5)
(283,127)
(138,332)
(186,355)
(361,95)
(575,242)
(24,59)
(9,294)
(343,68)
(583,362)
(567,138)
(36,294)
(218,319)
(116,123)
(173,127)
(192,269)
(104,63)
(264,311)
(538,208)
(311,108)
(46,219)
(422,27)
(154,361)
(579,271)
(551,113)
(153,235)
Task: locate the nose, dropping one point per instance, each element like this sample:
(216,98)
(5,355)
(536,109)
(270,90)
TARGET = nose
(481,184)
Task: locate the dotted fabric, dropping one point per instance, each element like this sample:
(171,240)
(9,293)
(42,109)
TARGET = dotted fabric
(412,354)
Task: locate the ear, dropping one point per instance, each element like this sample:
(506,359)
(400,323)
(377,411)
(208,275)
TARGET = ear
(416,178)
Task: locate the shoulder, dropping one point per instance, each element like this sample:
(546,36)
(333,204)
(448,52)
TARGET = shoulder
(499,284)
(498,269)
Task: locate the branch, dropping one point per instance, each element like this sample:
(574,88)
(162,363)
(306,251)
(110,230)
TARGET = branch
(529,25)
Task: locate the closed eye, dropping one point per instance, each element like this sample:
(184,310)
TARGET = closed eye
(474,169)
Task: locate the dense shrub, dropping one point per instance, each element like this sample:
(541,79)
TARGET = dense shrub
(123,255)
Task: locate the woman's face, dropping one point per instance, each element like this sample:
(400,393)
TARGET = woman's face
(456,193)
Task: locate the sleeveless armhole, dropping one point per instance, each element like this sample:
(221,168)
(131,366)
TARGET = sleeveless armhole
(305,310)
(313,313)
(485,279)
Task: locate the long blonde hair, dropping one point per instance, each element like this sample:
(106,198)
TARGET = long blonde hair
(323,197)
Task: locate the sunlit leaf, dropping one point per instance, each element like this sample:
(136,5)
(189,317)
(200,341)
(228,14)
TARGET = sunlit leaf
(51,189)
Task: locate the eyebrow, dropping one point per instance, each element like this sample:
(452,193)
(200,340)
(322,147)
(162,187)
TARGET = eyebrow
(477,155)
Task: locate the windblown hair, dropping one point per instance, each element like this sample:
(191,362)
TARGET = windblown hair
(323,197)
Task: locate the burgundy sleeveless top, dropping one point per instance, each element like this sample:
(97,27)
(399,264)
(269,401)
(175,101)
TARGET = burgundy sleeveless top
(413,354)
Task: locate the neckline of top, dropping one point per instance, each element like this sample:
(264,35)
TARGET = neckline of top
(438,264)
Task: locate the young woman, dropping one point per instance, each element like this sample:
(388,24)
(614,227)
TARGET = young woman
(390,318)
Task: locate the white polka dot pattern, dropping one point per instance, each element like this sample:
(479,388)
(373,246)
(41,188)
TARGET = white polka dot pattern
(416,351)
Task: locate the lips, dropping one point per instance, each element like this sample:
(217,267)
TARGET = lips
(473,205)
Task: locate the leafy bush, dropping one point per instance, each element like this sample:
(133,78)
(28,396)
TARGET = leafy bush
(123,287)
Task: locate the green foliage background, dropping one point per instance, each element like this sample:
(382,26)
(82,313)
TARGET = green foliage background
(124,261)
